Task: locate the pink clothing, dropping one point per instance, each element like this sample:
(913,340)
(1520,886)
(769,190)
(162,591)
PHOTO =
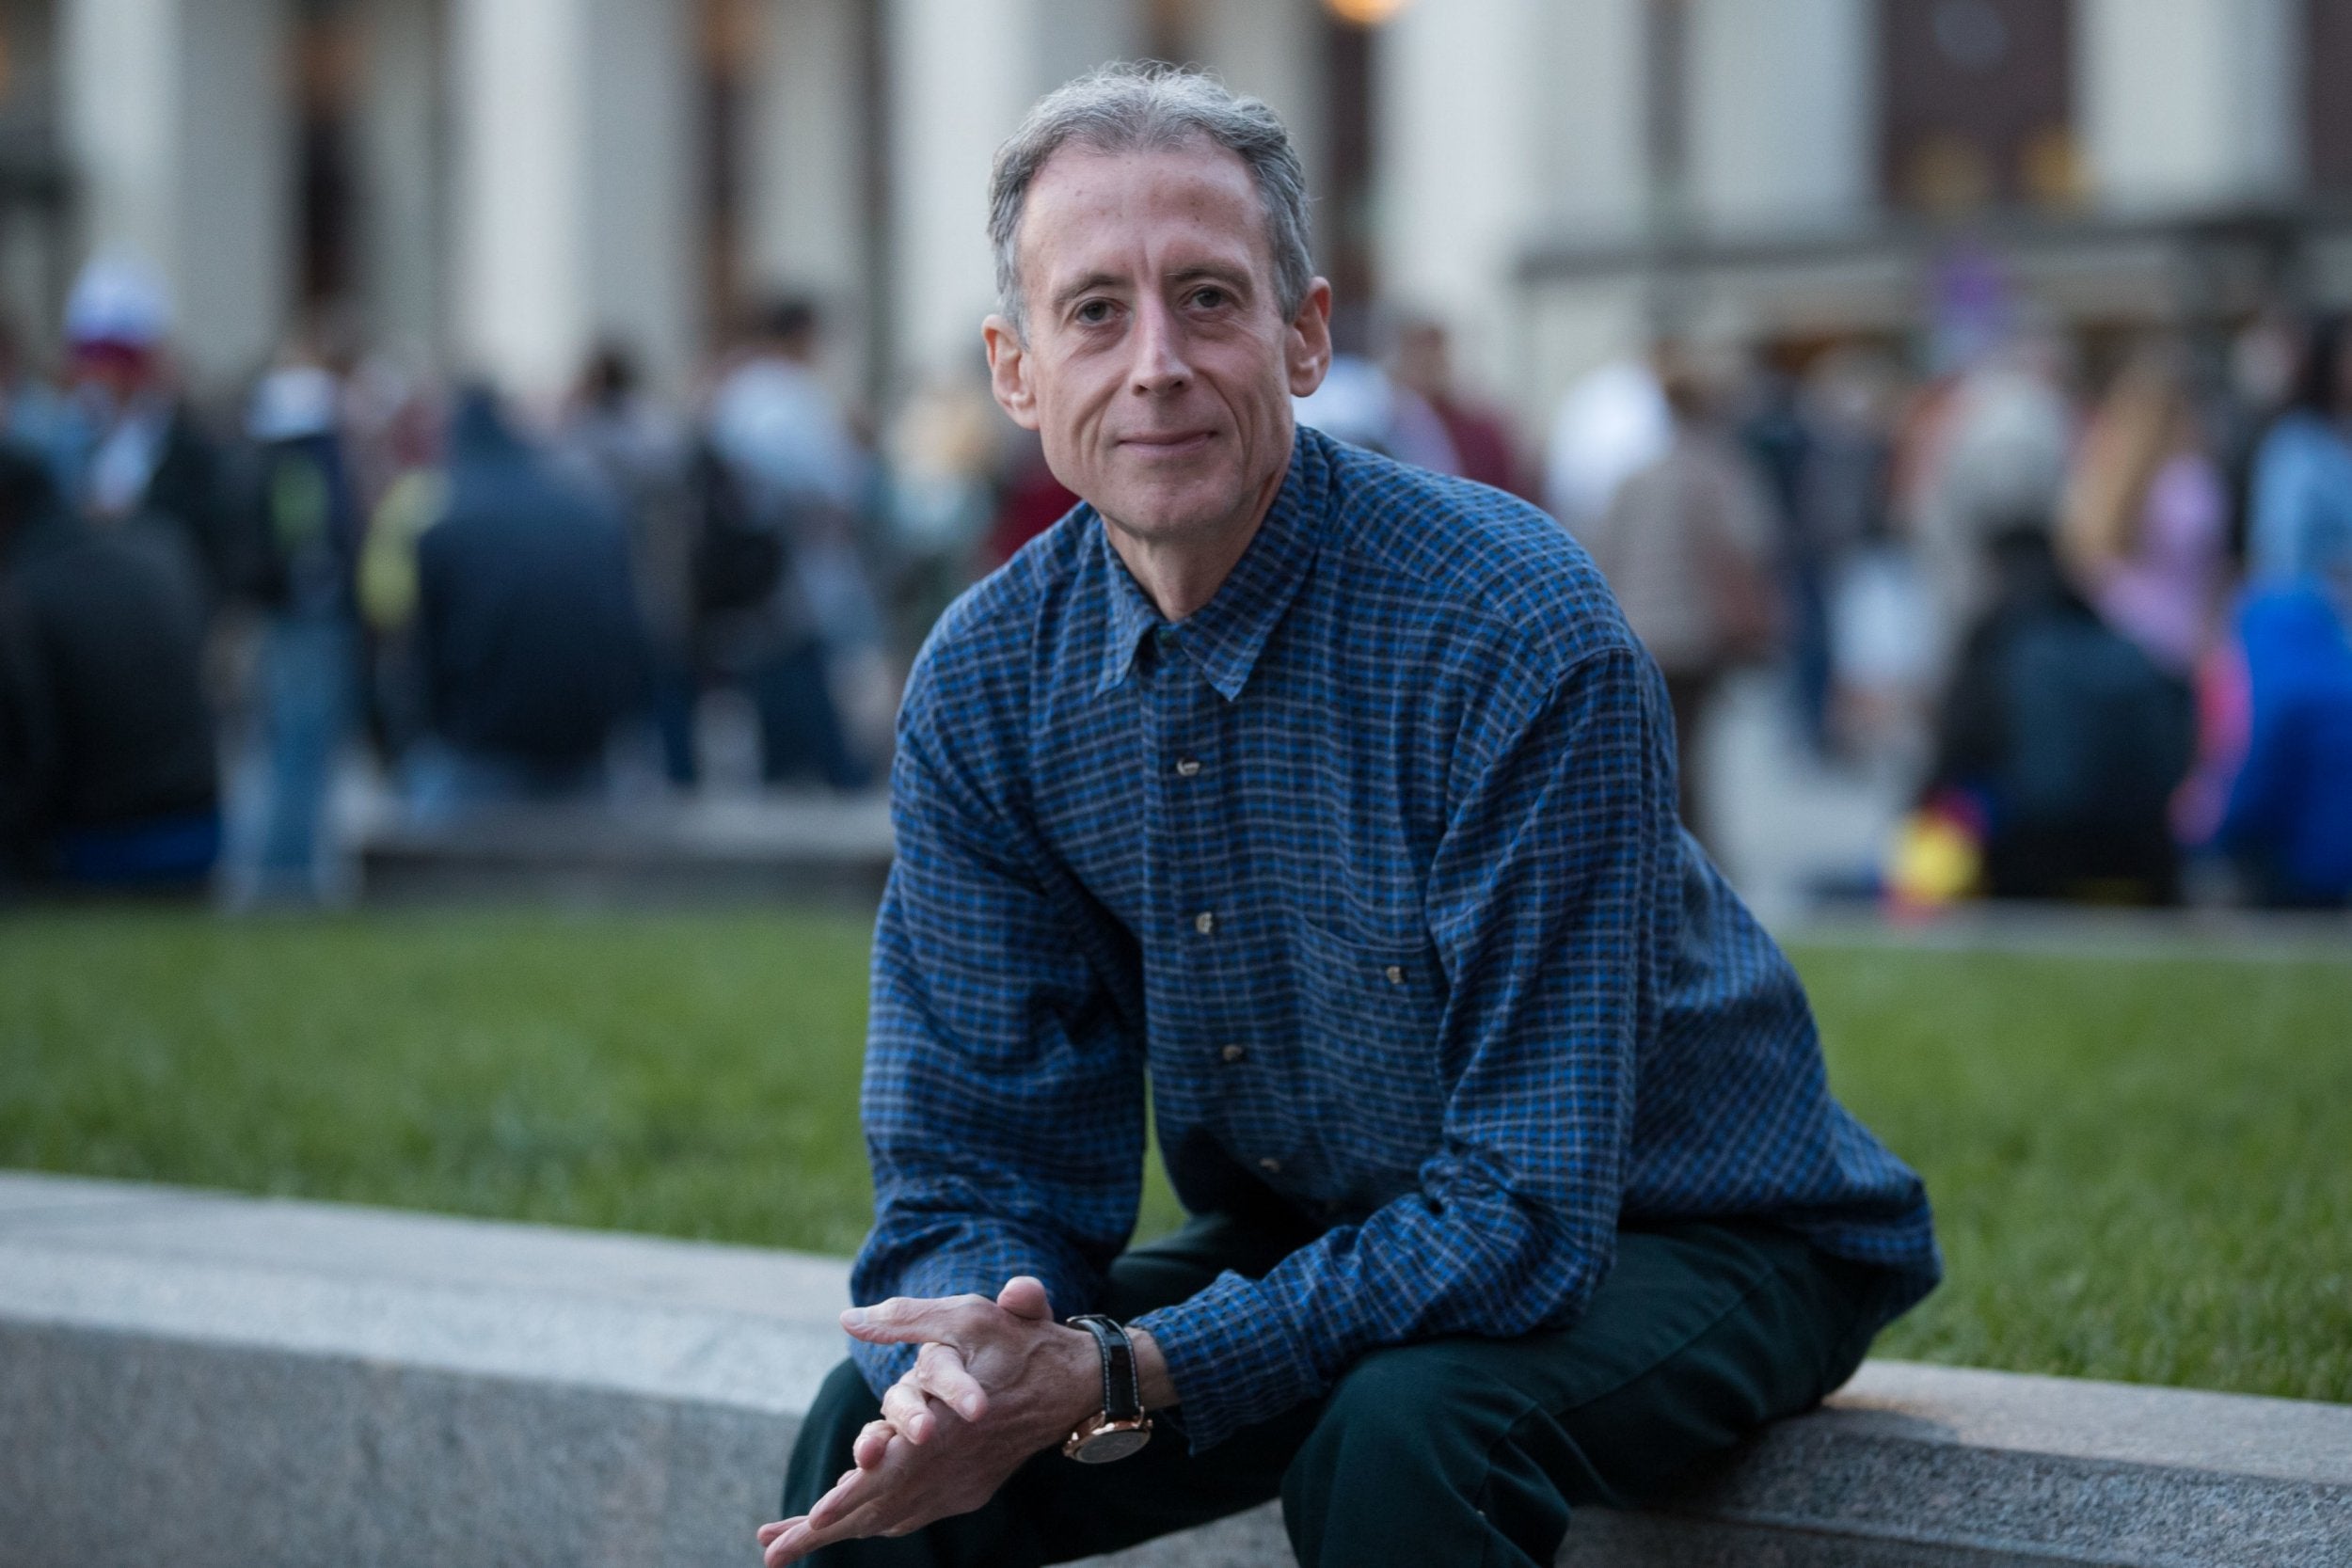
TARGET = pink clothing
(2163,595)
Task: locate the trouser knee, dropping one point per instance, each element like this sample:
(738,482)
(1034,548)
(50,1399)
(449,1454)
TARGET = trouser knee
(1409,1463)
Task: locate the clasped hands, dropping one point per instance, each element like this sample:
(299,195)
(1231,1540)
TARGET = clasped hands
(994,1383)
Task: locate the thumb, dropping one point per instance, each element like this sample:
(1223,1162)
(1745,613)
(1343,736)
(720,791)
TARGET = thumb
(1024,1297)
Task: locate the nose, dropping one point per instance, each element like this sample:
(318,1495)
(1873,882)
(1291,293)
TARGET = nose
(1158,346)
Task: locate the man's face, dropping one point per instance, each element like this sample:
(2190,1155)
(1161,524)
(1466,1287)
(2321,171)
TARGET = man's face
(1158,366)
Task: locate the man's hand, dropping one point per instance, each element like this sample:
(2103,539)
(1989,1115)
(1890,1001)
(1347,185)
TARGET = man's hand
(995,1382)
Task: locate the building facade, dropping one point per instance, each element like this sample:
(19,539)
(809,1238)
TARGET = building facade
(495,185)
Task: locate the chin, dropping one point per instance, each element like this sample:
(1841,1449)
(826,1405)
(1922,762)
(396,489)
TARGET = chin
(1159,516)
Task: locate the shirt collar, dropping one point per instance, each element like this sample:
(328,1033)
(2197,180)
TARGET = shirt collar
(1225,636)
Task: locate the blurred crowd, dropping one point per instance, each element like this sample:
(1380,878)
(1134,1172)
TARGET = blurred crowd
(2097,614)
(210,626)
(2092,607)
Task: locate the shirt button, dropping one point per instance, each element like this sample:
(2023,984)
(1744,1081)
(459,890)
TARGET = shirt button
(1396,974)
(1234,1053)
(1188,766)
(1205,921)
(1270,1166)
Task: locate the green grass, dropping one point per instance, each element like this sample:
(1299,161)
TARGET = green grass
(2143,1167)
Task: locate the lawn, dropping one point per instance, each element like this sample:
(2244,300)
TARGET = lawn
(2140,1166)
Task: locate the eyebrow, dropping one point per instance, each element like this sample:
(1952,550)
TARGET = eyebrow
(1237,279)
(1087,284)
(1216,272)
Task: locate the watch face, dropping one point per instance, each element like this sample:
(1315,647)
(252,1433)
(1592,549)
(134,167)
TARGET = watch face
(1104,1447)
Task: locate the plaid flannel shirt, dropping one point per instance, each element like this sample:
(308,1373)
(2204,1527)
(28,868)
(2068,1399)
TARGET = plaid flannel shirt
(1370,867)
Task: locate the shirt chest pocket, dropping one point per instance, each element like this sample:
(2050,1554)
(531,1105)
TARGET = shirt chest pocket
(1368,1016)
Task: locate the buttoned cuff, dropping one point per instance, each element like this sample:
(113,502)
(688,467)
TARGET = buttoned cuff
(1235,1358)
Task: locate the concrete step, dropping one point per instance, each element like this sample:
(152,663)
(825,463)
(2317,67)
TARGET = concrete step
(217,1380)
(708,850)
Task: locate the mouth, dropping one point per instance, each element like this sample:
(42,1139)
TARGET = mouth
(1170,444)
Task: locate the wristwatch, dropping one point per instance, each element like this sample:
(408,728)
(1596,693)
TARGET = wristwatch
(1122,1427)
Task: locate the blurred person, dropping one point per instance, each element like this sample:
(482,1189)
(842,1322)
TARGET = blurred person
(2145,530)
(798,475)
(1361,404)
(1358,403)
(2286,786)
(2064,739)
(2257,382)
(2300,499)
(1990,444)
(945,453)
(301,572)
(38,416)
(400,442)
(135,449)
(1779,442)
(1478,434)
(1031,502)
(1686,544)
(1845,404)
(108,772)
(1613,422)
(1325,803)
(528,639)
(633,453)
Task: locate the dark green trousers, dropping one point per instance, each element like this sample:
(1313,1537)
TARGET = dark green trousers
(1450,1451)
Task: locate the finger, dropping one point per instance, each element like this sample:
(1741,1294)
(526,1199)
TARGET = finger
(805,1535)
(939,1371)
(908,1412)
(1024,1297)
(844,1494)
(871,1444)
(778,1548)
(912,1320)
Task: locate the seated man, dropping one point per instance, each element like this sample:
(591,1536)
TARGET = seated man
(1334,800)
(108,772)
(528,642)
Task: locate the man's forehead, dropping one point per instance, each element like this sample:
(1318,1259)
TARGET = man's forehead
(1084,199)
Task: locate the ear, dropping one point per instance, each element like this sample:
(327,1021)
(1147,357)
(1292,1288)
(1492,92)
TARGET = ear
(1307,342)
(1008,372)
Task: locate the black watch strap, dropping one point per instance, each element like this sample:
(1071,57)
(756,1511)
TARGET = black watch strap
(1123,1387)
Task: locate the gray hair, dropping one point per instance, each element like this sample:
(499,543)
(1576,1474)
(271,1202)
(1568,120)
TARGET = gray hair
(1148,108)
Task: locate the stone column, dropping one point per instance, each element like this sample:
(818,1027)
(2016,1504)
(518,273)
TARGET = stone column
(401,141)
(179,125)
(806,207)
(575,187)
(2187,103)
(1273,50)
(1782,132)
(1503,121)
(961,74)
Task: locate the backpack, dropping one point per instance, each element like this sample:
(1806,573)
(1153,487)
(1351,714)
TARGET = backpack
(739,557)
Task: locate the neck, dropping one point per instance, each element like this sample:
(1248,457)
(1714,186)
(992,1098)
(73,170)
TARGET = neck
(1180,575)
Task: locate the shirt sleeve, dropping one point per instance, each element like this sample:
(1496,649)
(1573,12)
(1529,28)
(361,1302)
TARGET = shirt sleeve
(1003,1096)
(1550,899)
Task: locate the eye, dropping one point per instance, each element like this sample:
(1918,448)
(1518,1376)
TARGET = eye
(1209,296)
(1092,312)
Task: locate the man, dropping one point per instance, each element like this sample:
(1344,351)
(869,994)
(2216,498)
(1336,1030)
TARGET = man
(1334,799)
(108,776)
(794,467)
(528,647)
(133,447)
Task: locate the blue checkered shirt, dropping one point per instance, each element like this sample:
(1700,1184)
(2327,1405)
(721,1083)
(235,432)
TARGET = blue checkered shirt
(1371,868)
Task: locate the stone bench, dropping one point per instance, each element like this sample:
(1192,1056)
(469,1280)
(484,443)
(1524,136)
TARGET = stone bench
(770,847)
(200,1379)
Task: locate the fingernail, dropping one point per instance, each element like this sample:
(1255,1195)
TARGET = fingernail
(854,1317)
(969,1407)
